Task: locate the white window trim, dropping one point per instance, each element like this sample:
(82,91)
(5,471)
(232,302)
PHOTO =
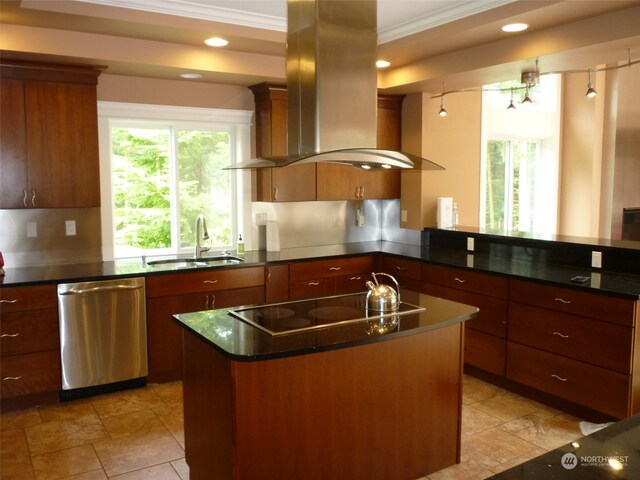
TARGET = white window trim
(237,120)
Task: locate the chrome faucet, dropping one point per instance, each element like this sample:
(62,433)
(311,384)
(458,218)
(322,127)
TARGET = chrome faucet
(201,234)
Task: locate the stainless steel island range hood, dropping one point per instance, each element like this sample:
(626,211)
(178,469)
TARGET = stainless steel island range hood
(332,88)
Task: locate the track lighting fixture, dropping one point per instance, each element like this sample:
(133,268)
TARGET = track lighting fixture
(591,92)
(530,79)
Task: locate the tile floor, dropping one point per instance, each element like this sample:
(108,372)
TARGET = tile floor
(138,435)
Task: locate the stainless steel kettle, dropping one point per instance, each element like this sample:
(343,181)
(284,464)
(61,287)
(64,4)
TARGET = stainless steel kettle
(381,297)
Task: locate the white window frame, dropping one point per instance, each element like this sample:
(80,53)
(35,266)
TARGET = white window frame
(237,122)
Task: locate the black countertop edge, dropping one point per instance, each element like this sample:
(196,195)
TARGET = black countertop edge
(613,283)
(242,342)
(588,457)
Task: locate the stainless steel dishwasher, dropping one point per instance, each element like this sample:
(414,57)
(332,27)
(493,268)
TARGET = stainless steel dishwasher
(103,336)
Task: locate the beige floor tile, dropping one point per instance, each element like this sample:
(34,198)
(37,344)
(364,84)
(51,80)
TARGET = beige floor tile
(170,393)
(138,440)
(67,410)
(508,406)
(182,468)
(173,419)
(518,460)
(95,475)
(126,401)
(467,469)
(474,390)
(158,472)
(65,463)
(544,430)
(475,421)
(64,434)
(20,419)
(15,460)
(499,445)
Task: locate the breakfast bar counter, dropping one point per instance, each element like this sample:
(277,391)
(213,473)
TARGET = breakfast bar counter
(366,398)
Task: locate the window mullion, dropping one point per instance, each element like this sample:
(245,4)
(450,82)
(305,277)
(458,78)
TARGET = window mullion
(174,190)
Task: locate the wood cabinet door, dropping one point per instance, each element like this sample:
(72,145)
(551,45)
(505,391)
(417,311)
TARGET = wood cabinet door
(276,283)
(62,144)
(14,179)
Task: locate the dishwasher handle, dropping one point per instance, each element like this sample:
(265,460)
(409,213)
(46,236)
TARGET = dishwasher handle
(110,288)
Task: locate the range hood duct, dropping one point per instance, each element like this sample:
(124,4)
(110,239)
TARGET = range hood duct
(332,88)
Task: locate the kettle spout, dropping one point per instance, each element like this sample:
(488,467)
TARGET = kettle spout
(370,285)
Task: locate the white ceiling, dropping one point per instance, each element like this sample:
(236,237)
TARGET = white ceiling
(427,41)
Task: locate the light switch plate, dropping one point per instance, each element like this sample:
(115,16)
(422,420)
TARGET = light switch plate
(596,259)
(470,244)
(403,216)
(32,229)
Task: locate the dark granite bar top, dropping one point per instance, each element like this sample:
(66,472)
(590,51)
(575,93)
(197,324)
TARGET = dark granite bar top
(537,269)
(241,341)
(611,453)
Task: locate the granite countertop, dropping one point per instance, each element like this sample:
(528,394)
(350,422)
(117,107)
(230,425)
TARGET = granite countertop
(241,341)
(601,281)
(610,453)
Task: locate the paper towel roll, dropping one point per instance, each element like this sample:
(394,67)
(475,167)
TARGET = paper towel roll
(273,236)
(445,212)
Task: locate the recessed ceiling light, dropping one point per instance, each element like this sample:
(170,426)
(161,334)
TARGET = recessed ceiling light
(190,76)
(382,64)
(216,42)
(515,27)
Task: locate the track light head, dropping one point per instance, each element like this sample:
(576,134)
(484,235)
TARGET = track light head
(591,92)
(442,112)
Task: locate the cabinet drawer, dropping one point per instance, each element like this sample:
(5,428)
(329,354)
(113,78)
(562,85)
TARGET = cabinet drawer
(25,332)
(204,281)
(484,351)
(351,283)
(594,387)
(311,288)
(20,299)
(588,304)
(491,319)
(599,343)
(400,267)
(330,268)
(30,373)
(491,285)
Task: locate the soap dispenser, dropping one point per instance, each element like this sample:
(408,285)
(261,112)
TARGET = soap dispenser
(240,245)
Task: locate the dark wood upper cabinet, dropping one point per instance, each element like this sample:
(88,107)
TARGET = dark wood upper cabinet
(49,137)
(319,181)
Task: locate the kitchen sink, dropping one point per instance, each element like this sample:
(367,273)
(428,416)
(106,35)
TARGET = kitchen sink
(195,262)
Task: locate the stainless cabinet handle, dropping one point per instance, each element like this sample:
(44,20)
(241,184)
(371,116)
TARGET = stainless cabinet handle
(357,192)
(400,268)
(361,192)
(24,198)
(313,284)
(558,299)
(335,269)
(9,301)
(275,193)
(355,278)
(561,335)
(33,198)
(12,378)
(268,274)
(558,377)
(210,281)
(9,335)
(212,301)
(459,280)
(206,302)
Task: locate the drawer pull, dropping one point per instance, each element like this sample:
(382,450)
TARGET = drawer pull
(9,301)
(558,377)
(210,281)
(313,283)
(355,278)
(558,299)
(459,280)
(400,268)
(9,335)
(12,378)
(560,335)
(335,269)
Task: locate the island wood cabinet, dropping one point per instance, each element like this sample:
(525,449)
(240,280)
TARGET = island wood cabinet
(29,346)
(322,181)
(320,278)
(169,294)
(408,273)
(276,283)
(485,335)
(49,137)
(576,345)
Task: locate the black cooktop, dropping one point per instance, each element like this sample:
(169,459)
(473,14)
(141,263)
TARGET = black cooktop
(304,315)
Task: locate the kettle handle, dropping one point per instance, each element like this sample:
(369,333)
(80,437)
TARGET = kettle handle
(392,278)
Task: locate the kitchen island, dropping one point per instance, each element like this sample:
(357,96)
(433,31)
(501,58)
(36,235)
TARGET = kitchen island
(365,399)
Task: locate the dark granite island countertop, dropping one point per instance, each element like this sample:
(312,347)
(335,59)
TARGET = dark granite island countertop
(346,401)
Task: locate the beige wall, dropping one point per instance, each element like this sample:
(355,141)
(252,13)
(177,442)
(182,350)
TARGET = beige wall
(117,88)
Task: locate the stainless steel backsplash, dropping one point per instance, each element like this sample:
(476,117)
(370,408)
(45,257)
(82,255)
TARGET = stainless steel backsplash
(51,246)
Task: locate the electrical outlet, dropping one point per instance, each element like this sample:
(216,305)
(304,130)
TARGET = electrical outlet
(70,227)
(470,244)
(596,259)
(32,229)
(403,216)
